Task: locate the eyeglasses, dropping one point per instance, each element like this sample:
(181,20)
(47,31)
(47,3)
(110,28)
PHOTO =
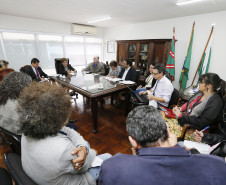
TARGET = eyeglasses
(155,73)
(201,82)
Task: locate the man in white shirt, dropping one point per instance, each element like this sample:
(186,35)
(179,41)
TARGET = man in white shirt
(128,73)
(162,90)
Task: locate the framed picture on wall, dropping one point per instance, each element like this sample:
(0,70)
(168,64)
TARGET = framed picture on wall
(110,46)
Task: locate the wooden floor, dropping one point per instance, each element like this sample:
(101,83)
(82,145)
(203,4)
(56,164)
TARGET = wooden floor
(111,138)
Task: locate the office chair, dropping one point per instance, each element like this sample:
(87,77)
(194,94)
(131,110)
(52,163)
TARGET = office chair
(174,98)
(23,69)
(5,178)
(13,140)
(14,166)
(57,66)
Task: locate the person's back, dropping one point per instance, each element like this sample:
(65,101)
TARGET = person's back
(50,159)
(9,116)
(157,158)
(10,89)
(156,165)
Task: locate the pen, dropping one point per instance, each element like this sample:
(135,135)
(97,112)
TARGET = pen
(204,129)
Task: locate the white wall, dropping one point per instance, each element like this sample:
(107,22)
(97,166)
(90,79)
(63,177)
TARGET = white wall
(36,25)
(163,29)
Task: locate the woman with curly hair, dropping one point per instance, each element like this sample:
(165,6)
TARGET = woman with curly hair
(47,145)
(10,89)
(4,70)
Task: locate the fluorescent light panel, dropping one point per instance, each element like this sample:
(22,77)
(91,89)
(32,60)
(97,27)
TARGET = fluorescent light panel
(100,19)
(184,2)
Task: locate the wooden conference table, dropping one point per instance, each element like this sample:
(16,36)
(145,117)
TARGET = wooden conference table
(94,87)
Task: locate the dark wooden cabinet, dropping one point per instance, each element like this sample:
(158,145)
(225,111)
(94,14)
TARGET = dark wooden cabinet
(143,52)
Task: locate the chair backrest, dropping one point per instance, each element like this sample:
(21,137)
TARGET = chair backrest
(5,178)
(138,76)
(174,97)
(23,69)
(58,63)
(14,165)
(13,140)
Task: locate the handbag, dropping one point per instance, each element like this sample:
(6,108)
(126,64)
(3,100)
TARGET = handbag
(220,150)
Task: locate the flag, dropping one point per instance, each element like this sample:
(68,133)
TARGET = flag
(204,66)
(170,64)
(185,70)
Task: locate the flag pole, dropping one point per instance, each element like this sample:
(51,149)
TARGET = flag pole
(203,54)
(174,45)
(193,27)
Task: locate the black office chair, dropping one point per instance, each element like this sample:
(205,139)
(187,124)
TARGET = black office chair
(138,77)
(13,140)
(14,165)
(57,66)
(23,69)
(5,178)
(174,98)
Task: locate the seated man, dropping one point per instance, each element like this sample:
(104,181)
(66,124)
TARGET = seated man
(35,71)
(157,158)
(66,68)
(128,73)
(162,90)
(95,66)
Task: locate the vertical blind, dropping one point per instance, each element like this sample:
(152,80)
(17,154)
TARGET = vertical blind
(20,48)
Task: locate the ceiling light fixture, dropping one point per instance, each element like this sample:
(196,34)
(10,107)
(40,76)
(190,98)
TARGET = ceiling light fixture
(100,19)
(185,2)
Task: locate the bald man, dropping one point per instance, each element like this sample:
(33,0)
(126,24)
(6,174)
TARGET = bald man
(96,66)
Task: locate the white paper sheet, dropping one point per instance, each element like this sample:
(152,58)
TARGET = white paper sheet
(201,147)
(127,82)
(97,162)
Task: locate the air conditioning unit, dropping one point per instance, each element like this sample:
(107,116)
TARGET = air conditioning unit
(80,29)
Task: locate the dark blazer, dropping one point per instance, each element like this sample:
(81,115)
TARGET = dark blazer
(131,75)
(158,165)
(62,69)
(211,115)
(30,72)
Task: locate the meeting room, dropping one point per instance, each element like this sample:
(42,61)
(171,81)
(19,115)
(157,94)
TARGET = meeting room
(112,92)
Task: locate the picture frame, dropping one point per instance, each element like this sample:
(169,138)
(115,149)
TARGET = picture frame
(110,46)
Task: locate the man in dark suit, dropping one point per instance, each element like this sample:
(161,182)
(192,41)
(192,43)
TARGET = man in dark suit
(35,71)
(157,158)
(128,73)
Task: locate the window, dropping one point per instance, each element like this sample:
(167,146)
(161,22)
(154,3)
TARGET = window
(50,47)
(75,50)
(93,48)
(2,57)
(20,48)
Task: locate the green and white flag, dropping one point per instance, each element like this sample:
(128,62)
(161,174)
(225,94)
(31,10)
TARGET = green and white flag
(170,64)
(204,67)
(185,70)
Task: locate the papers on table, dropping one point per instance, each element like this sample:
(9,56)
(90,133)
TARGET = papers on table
(113,79)
(201,147)
(54,75)
(97,162)
(72,73)
(127,82)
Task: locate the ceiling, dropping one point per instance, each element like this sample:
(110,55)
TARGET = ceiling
(121,11)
